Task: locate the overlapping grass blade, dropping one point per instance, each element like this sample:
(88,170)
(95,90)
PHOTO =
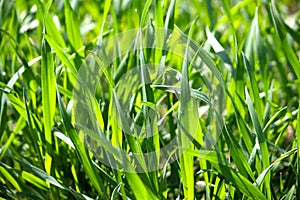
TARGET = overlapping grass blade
(262,143)
(62,55)
(241,182)
(254,88)
(187,123)
(72,26)
(256,157)
(47,20)
(80,149)
(48,99)
(281,32)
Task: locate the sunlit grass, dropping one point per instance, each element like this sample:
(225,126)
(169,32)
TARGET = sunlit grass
(237,81)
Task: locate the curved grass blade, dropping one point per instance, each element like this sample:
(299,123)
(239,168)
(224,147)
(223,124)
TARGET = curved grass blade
(38,173)
(62,55)
(240,182)
(144,13)
(52,29)
(261,177)
(281,33)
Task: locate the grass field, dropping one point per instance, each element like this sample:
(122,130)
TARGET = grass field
(111,99)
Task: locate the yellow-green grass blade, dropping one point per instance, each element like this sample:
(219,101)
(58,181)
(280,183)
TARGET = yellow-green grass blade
(48,99)
(117,141)
(152,144)
(230,17)
(238,156)
(107,5)
(47,20)
(72,26)
(188,124)
(159,35)
(10,178)
(254,49)
(38,182)
(8,141)
(62,55)
(37,174)
(138,187)
(145,11)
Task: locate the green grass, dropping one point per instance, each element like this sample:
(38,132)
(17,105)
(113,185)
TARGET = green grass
(227,92)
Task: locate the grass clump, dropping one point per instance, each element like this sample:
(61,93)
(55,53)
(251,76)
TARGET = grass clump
(83,83)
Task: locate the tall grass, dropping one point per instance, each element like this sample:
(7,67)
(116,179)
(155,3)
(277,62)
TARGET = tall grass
(232,102)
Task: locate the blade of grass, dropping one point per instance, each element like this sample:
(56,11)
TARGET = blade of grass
(238,156)
(62,55)
(117,141)
(262,143)
(10,178)
(45,176)
(254,44)
(144,13)
(241,183)
(52,29)
(298,153)
(72,27)
(48,98)
(80,149)
(19,126)
(254,87)
(281,33)
(161,41)
(138,188)
(159,33)
(261,177)
(187,122)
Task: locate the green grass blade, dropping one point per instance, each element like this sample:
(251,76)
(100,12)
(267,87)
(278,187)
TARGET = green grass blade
(72,26)
(18,105)
(50,179)
(254,87)
(10,178)
(138,187)
(241,182)
(261,177)
(298,153)
(48,98)
(238,156)
(80,149)
(145,11)
(52,29)
(281,32)
(187,116)
(262,143)
(62,55)
(107,5)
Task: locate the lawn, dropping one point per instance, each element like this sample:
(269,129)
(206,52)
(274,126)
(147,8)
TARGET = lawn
(151,99)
